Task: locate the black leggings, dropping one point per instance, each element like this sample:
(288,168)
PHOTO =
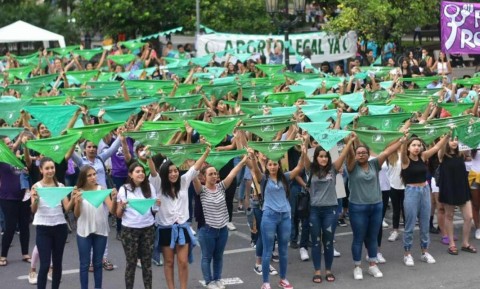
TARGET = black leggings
(16,213)
(50,244)
(229,195)
(385,197)
(397,197)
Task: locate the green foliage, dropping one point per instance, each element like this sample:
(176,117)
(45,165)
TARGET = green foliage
(380,20)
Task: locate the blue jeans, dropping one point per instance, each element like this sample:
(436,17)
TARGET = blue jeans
(322,227)
(156,246)
(97,243)
(416,205)
(243,175)
(294,191)
(258,213)
(365,220)
(50,242)
(280,224)
(212,242)
(118,182)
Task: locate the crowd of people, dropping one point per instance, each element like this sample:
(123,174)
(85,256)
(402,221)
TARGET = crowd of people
(163,141)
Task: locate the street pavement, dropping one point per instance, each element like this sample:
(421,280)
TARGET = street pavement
(460,271)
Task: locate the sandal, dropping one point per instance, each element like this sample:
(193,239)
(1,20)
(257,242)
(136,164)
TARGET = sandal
(330,277)
(27,259)
(3,261)
(317,279)
(107,265)
(452,250)
(469,249)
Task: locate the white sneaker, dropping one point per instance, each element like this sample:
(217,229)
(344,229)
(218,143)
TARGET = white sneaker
(427,258)
(375,272)
(380,258)
(384,224)
(477,234)
(220,284)
(304,254)
(212,285)
(231,226)
(32,277)
(408,260)
(258,269)
(357,273)
(272,270)
(336,253)
(393,236)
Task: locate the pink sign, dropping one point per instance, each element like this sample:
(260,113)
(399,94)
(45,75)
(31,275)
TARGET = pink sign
(460,25)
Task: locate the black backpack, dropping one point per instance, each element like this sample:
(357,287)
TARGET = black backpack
(303,202)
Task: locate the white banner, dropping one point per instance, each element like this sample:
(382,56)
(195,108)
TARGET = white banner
(325,47)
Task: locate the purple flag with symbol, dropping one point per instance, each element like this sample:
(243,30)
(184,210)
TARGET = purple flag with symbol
(460,24)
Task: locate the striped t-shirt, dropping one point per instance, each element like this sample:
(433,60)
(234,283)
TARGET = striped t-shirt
(214,206)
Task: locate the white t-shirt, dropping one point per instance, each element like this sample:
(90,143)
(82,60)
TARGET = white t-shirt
(394,171)
(93,220)
(174,210)
(47,216)
(131,218)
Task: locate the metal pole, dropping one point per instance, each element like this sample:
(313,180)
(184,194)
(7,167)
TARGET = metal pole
(197,7)
(285,31)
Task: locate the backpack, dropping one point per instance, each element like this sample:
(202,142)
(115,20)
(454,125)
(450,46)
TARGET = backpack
(298,67)
(302,210)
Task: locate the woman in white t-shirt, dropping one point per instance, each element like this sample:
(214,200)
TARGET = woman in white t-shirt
(51,226)
(213,235)
(92,225)
(176,236)
(137,229)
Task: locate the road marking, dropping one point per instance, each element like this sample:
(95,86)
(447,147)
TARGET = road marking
(226,281)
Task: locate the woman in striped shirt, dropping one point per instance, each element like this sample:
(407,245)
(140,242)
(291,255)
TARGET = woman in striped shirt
(214,234)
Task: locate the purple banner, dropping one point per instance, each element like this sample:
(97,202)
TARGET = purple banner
(460,23)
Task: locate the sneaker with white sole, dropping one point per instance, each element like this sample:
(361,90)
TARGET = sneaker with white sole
(427,258)
(384,224)
(336,253)
(212,285)
(304,254)
(32,278)
(257,269)
(273,271)
(284,284)
(375,271)
(477,234)
(49,274)
(266,286)
(220,284)
(408,260)
(380,258)
(275,257)
(357,273)
(393,236)
(231,226)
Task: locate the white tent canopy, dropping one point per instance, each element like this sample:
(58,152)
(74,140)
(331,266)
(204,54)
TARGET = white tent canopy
(24,32)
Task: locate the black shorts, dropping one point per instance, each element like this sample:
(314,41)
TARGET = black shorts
(166,236)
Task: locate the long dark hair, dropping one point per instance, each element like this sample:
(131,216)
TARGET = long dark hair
(82,176)
(45,160)
(166,185)
(280,176)
(316,169)
(144,186)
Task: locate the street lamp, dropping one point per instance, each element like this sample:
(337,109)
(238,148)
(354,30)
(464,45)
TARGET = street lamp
(283,19)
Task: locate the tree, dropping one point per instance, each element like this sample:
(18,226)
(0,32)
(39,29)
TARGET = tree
(383,20)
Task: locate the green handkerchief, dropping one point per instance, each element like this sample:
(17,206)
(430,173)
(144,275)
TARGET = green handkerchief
(164,124)
(286,98)
(43,79)
(267,131)
(299,76)
(83,76)
(10,132)
(216,71)
(411,105)
(390,121)
(53,195)
(378,96)
(142,206)
(273,150)
(96,198)
(266,119)
(122,59)
(378,140)
(321,114)
(132,45)
(308,90)
(179,153)
(54,147)
(20,73)
(10,109)
(183,102)
(213,133)
(376,109)
(153,137)
(270,69)
(353,100)
(328,138)
(51,100)
(421,81)
(219,159)
(96,132)
(185,114)
(26,90)
(64,51)
(54,117)
(122,111)
(428,133)
(314,127)
(236,117)
(456,109)
(7,156)
(280,111)
(202,61)
(469,134)
(88,54)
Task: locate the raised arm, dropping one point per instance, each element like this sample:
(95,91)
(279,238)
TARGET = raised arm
(253,164)
(233,173)
(392,148)
(300,165)
(439,148)
(338,163)
(198,164)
